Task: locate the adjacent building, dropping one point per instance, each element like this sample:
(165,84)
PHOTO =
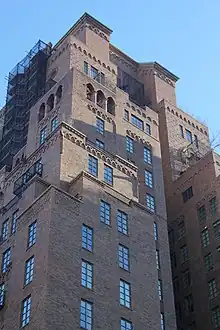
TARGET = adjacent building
(84,240)
(191,177)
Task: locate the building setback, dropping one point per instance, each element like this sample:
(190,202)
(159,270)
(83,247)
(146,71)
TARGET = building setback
(84,240)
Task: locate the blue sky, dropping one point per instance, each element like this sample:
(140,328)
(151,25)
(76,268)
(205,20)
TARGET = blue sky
(182,35)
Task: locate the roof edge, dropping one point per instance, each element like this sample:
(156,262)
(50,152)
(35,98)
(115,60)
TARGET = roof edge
(162,69)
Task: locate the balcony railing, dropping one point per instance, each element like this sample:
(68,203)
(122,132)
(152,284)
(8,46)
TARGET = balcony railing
(21,184)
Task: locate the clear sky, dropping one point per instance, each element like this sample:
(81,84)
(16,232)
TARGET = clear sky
(182,35)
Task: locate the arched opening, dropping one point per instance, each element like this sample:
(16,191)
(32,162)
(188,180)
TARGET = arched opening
(90,93)
(101,99)
(41,113)
(50,102)
(111,106)
(59,93)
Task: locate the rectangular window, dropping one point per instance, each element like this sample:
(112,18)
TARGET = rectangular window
(155,232)
(216,228)
(123,257)
(126,325)
(86,274)
(181,131)
(212,289)
(201,212)
(147,156)
(181,230)
(43,135)
(148,178)
(2,294)
(54,123)
(162,321)
(126,115)
(5,227)
(108,174)
(32,234)
(150,203)
(196,141)
(25,311)
(86,68)
(122,222)
(94,73)
(188,302)
(6,260)
(148,129)
(125,294)
(87,238)
(93,165)
(105,212)
(29,271)
(189,136)
(205,238)
(183,254)
(160,292)
(86,315)
(102,81)
(158,259)
(14,222)
(129,144)
(213,206)
(137,122)
(186,278)
(208,263)
(216,317)
(100,144)
(100,126)
(187,194)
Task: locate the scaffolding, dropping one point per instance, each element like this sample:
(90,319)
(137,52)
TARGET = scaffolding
(26,84)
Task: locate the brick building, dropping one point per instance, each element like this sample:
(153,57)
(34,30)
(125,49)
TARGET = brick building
(84,239)
(191,177)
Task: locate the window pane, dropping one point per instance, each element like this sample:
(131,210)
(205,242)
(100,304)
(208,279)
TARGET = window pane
(125,299)
(93,165)
(86,68)
(157,259)
(126,325)
(108,174)
(100,144)
(129,144)
(201,212)
(5,229)
(2,294)
(29,270)
(148,129)
(122,222)
(43,135)
(54,124)
(87,274)
(213,206)
(150,203)
(187,194)
(94,73)
(6,260)
(87,238)
(86,315)
(147,156)
(189,136)
(149,178)
(181,131)
(105,212)
(208,262)
(160,292)
(100,126)
(137,122)
(126,115)
(14,222)
(32,234)
(212,289)
(183,254)
(25,311)
(123,257)
(155,231)
(205,238)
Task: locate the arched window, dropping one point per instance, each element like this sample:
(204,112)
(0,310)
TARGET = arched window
(111,106)
(101,99)
(41,113)
(90,93)
(59,93)
(50,102)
